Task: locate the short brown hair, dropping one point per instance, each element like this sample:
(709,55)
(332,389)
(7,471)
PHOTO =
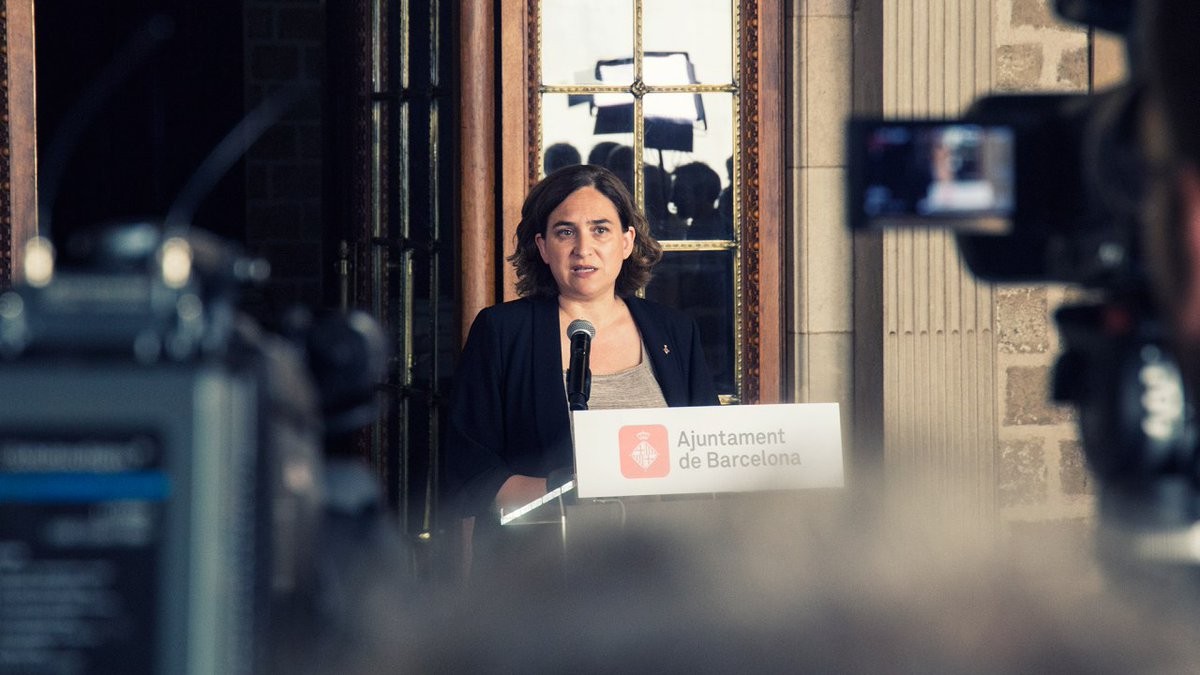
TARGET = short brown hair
(533,274)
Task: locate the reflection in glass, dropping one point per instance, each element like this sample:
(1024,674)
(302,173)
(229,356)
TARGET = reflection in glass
(565,121)
(696,184)
(688,203)
(701,284)
(672,120)
(689,128)
(663,224)
(576,34)
(701,28)
(668,68)
(598,155)
(559,155)
(613,113)
(695,189)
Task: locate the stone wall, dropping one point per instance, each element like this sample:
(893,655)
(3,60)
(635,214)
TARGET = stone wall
(939,385)
(819,316)
(966,366)
(1040,472)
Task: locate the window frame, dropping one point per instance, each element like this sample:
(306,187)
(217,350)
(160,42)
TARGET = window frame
(759,170)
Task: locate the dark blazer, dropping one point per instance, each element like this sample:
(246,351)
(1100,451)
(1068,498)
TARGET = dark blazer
(508,411)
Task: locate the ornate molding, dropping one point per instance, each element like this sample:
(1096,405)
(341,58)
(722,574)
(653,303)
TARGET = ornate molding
(533,82)
(6,211)
(751,241)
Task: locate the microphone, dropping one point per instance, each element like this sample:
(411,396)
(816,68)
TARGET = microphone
(579,375)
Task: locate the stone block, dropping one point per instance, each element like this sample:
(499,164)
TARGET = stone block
(1027,398)
(1022,320)
(1019,67)
(797,308)
(1072,469)
(826,287)
(1073,68)
(823,7)
(825,368)
(796,93)
(1108,60)
(826,90)
(1021,473)
(1033,13)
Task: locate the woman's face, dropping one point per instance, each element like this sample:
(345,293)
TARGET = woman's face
(584,245)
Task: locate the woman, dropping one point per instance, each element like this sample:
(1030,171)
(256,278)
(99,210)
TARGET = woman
(583,251)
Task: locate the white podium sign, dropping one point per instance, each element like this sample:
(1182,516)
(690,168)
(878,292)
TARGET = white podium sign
(747,448)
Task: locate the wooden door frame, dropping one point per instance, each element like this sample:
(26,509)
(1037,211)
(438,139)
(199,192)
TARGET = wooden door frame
(763,197)
(18,213)
(501,131)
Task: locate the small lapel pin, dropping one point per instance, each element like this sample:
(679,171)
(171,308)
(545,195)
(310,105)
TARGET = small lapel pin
(665,350)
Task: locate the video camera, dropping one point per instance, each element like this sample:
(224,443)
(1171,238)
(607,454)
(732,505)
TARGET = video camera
(1049,188)
(160,456)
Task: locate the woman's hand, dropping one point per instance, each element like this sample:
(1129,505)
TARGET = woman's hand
(518,491)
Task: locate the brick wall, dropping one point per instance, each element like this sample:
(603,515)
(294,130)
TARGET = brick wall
(284,44)
(1040,472)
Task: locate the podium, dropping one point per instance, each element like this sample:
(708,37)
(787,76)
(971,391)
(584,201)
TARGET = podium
(568,534)
(712,472)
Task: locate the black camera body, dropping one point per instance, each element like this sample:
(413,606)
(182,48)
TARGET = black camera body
(1038,187)
(160,461)
(1049,188)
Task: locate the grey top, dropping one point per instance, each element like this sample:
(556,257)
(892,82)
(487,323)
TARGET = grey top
(632,388)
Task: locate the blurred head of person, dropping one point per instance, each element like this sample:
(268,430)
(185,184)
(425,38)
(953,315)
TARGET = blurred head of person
(657,184)
(620,162)
(695,190)
(559,155)
(599,153)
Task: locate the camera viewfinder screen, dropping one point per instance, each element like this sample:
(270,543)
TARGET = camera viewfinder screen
(944,174)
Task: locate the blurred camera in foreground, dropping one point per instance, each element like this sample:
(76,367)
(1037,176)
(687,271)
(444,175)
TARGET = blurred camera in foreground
(161,470)
(1054,188)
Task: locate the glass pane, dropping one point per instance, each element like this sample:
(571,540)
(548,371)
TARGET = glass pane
(690,128)
(693,161)
(701,283)
(575,131)
(663,223)
(700,35)
(579,34)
